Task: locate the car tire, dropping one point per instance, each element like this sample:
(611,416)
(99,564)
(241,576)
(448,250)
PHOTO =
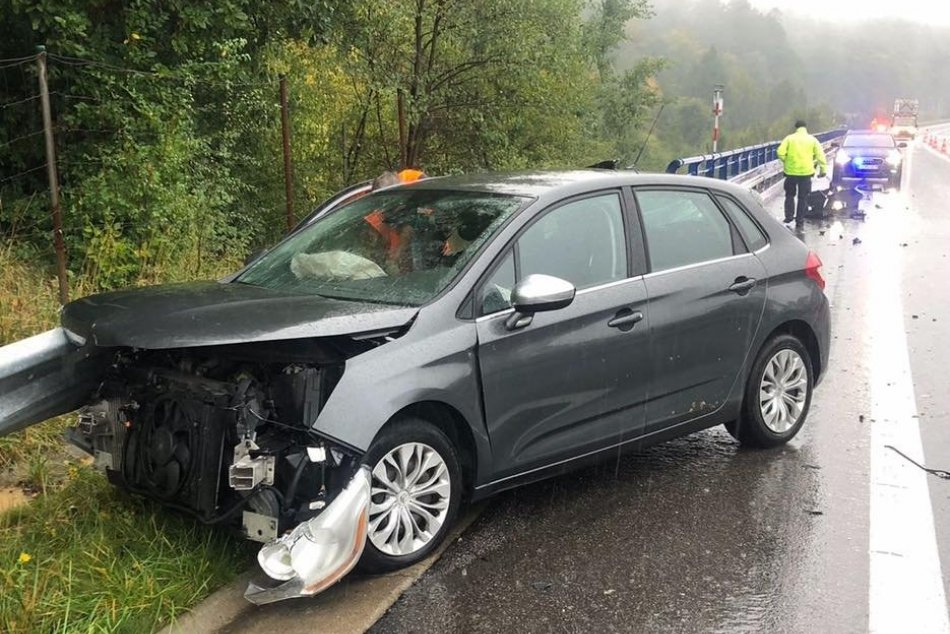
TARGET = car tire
(401,517)
(769,418)
(896,180)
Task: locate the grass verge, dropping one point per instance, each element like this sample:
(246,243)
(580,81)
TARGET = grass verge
(83,556)
(30,448)
(87,557)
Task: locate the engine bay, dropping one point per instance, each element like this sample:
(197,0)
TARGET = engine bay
(224,433)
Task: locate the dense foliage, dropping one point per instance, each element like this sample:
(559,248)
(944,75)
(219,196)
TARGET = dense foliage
(776,67)
(167,115)
(168,124)
(708,42)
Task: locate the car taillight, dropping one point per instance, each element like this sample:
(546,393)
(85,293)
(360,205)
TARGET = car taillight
(813,269)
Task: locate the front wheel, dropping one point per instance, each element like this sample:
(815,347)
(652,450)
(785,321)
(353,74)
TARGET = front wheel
(896,181)
(777,396)
(415,494)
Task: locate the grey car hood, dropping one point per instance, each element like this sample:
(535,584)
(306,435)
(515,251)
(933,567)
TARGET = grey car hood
(211,313)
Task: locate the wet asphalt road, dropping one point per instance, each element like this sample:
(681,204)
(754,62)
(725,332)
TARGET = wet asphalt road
(699,535)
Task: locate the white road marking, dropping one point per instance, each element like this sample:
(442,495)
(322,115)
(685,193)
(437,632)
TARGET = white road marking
(906,585)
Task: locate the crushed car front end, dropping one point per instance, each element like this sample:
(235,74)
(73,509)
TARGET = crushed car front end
(218,424)
(224,435)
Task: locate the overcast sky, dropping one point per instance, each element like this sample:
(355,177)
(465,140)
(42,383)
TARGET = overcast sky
(925,11)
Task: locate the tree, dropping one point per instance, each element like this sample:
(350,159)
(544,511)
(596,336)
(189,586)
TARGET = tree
(454,69)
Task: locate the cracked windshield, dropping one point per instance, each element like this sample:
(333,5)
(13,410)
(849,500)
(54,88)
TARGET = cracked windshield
(399,247)
(475,316)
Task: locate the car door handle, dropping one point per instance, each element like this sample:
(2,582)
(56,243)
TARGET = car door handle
(625,319)
(743,285)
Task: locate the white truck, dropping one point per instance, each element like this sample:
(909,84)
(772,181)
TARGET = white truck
(904,119)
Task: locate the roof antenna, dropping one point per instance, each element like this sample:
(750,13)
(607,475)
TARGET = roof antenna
(636,161)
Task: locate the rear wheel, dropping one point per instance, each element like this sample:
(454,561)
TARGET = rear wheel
(415,496)
(777,396)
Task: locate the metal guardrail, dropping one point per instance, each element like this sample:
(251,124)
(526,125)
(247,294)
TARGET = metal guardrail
(735,163)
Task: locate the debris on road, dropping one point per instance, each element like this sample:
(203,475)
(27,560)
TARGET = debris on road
(940,473)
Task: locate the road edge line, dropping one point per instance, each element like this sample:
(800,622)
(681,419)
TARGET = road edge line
(905,582)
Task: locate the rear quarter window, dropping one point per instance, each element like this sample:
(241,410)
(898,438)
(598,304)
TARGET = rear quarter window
(753,235)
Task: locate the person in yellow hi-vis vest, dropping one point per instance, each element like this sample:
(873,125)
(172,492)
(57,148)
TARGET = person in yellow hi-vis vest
(800,152)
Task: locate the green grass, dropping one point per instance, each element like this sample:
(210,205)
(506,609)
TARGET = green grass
(28,446)
(85,557)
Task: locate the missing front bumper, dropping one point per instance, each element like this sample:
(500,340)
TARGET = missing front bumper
(320,551)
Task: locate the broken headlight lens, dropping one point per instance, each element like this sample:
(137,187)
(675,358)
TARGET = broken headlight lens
(314,555)
(275,560)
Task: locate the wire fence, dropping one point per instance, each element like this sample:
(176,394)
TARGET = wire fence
(109,122)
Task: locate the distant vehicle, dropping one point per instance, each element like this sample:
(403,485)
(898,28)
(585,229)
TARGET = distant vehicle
(904,119)
(867,157)
(341,396)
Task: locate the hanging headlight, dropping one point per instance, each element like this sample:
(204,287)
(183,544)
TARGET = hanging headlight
(894,158)
(318,552)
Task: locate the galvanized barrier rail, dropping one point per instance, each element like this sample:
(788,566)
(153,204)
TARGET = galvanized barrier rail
(754,166)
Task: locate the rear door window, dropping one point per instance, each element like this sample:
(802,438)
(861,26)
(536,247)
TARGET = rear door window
(683,228)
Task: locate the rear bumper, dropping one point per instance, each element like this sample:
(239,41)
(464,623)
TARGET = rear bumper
(822,327)
(848,174)
(866,178)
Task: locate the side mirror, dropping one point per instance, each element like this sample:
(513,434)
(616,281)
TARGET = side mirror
(538,293)
(835,144)
(902,144)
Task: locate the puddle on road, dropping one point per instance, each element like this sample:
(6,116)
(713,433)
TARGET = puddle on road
(11,498)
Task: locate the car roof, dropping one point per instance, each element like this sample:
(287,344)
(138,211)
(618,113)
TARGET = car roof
(560,184)
(868,133)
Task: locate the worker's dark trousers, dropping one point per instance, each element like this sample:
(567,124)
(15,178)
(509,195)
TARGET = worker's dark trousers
(801,185)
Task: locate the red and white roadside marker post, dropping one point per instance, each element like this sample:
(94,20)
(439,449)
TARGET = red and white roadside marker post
(717,111)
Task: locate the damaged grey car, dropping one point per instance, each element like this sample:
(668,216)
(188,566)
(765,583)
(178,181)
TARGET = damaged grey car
(341,396)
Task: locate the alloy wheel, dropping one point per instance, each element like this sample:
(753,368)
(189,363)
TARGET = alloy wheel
(410,498)
(783,391)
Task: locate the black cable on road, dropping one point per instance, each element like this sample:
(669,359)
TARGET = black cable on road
(940,473)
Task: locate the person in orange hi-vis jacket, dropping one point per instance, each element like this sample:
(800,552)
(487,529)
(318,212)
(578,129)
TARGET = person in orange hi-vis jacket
(394,237)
